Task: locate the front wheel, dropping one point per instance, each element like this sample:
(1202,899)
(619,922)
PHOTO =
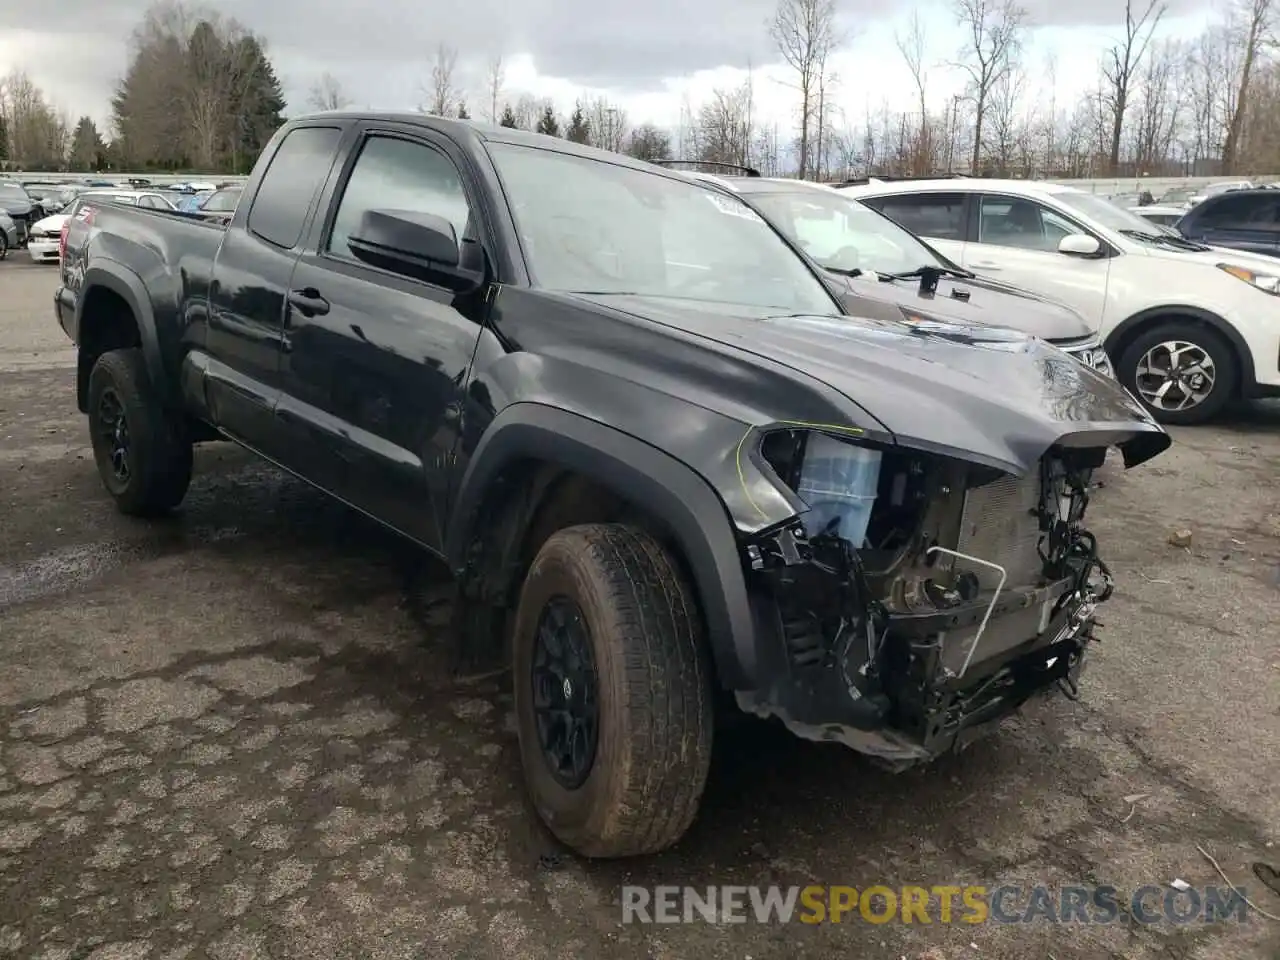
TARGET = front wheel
(1183,372)
(612,692)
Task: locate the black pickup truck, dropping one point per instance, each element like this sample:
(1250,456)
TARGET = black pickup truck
(666,468)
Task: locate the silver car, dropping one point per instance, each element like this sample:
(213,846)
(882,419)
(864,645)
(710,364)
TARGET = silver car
(8,234)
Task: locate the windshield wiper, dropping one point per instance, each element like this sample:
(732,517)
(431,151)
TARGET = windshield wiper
(1168,240)
(846,271)
(928,275)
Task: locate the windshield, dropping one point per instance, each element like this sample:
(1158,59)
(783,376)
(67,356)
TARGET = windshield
(590,226)
(842,234)
(1102,211)
(12,191)
(1180,195)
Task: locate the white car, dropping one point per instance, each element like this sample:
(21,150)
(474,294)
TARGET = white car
(1161,214)
(46,235)
(1188,327)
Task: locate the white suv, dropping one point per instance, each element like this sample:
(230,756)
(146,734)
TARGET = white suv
(1188,327)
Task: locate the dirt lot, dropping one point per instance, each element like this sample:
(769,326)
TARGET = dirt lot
(225,735)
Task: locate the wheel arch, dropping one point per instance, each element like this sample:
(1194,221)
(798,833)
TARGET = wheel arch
(512,474)
(1119,339)
(113,311)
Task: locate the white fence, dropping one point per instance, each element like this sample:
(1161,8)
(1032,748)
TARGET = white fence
(1156,185)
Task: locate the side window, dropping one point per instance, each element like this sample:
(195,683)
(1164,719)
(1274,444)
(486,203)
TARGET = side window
(1238,211)
(395,174)
(298,168)
(1024,224)
(938,215)
(152,203)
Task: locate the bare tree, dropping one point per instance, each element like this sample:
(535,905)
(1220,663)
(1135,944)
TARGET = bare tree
(38,138)
(722,127)
(1159,107)
(1258,22)
(495,77)
(994,30)
(1005,129)
(805,33)
(912,46)
(608,124)
(443,93)
(1120,67)
(326,93)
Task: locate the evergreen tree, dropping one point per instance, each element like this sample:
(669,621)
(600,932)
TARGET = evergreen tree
(547,123)
(87,149)
(262,104)
(508,118)
(462,110)
(579,131)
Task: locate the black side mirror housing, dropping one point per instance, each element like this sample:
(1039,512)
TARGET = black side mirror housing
(419,245)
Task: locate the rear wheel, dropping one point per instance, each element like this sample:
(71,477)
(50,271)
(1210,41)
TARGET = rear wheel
(1183,372)
(143,459)
(4,245)
(612,692)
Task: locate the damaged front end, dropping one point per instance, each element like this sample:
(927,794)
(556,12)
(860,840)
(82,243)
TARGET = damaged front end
(920,598)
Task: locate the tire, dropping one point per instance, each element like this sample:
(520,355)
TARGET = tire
(155,453)
(1196,336)
(4,245)
(642,788)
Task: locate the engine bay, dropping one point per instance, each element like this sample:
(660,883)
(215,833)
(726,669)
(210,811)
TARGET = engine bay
(963,592)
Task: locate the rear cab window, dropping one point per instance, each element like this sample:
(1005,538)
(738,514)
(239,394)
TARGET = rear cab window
(1241,212)
(296,172)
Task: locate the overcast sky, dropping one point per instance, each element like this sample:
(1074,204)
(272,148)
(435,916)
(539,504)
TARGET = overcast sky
(642,55)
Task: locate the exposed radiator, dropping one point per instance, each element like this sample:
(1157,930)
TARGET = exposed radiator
(999,524)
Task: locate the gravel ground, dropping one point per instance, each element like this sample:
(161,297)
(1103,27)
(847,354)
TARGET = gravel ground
(225,735)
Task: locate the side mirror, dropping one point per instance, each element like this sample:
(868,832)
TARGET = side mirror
(414,244)
(1079,245)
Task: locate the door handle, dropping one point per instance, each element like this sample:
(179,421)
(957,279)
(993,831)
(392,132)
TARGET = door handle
(985,265)
(308,302)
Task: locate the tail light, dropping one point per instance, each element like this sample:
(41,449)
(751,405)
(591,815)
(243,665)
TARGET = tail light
(62,239)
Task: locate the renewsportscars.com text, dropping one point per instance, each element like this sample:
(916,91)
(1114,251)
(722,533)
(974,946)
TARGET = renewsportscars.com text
(945,904)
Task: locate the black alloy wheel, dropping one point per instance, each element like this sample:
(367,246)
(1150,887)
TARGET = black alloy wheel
(566,702)
(112,425)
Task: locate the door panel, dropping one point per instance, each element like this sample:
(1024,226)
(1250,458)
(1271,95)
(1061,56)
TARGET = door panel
(1016,241)
(376,374)
(247,291)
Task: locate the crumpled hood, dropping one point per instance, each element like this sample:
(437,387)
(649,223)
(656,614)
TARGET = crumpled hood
(990,302)
(983,394)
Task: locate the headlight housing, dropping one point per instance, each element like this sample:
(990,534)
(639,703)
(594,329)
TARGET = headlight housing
(1266,282)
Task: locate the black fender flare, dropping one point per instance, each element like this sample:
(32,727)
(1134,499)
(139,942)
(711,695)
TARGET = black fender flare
(651,479)
(1129,326)
(126,284)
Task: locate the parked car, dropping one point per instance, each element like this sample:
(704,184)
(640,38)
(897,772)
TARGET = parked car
(48,196)
(219,205)
(1240,220)
(45,243)
(1217,189)
(8,234)
(881,270)
(1188,327)
(661,460)
(1180,197)
(20,206)
(191,202)
(1163,215)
